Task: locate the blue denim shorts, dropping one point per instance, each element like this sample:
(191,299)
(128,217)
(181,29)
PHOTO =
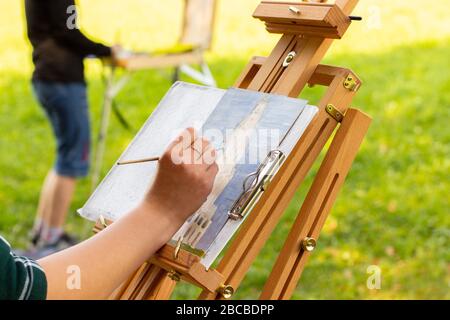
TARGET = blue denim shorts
(66,107)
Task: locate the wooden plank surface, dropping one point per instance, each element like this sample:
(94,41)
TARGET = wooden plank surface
(310,14)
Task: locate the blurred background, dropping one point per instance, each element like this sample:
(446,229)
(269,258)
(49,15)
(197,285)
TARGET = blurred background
(394,209)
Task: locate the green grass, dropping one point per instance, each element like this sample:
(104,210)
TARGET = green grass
(394,209)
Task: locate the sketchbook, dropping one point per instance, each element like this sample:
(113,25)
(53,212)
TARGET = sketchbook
(253,133)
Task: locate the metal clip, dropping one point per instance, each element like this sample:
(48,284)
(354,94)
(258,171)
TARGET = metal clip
(287,61)
(103,221)
(253,189)
(335,113)
(350,83)
(176,251)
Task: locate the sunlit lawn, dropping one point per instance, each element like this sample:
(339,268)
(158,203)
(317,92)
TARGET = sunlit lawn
(394,209)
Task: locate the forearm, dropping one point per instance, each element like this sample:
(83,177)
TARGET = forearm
(109,258)
(78,42)
(106,260)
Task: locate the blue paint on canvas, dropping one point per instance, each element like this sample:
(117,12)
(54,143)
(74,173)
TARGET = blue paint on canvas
(279,114)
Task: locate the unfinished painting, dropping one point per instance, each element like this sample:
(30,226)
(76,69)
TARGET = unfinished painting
(244,127)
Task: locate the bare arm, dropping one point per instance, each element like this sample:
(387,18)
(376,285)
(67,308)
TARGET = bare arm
(107,259)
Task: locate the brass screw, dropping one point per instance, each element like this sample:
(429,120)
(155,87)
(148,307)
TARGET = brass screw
(175,276)
(350,83)
(291,55)
(309,244)
(226,291)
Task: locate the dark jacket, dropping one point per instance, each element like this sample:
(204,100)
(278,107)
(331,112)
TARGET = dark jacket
(58,48)
(20,277)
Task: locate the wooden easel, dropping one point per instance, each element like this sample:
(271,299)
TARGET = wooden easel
(308,30)
(195,39)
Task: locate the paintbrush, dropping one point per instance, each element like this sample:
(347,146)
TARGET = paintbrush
(121,163)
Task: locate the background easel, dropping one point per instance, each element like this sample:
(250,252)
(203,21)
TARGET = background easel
(308,30)
(195,39)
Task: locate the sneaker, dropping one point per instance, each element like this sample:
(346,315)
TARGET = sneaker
(43,250)
(35,238)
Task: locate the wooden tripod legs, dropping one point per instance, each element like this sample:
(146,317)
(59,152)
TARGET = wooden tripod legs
(313,213)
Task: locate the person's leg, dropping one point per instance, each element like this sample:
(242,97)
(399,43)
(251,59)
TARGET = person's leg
(66,107)
(64,188)
(46,94)
(43,211)
(56,198)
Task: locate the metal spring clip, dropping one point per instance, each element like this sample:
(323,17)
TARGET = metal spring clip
(253,189)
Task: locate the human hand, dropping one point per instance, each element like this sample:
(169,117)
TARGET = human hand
(119,55)
(116,50)
(185,177)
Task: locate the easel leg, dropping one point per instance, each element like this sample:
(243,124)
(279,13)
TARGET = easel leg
(176,74)
(329,180)
(111,91)
(162,287)
(120,291)
(101,139)
(204,76)
(150,282)
(134,282)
